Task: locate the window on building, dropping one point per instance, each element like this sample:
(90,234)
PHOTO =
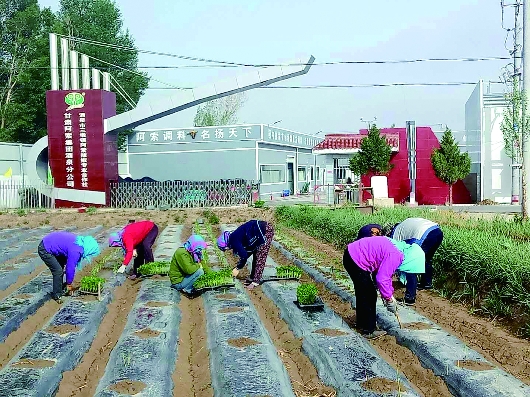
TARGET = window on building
(312,173)
(272,173)
(302,174)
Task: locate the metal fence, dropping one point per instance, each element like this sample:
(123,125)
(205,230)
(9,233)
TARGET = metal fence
(182,194)
(19,193)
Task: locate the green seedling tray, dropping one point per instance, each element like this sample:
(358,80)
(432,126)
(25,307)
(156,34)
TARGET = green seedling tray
(315,307)
(276,278)
(201,290)
(151,275)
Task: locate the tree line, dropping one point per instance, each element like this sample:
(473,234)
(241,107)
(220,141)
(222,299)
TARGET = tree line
(25,58)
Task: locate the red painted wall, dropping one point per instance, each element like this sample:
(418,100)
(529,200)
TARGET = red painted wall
(429,189)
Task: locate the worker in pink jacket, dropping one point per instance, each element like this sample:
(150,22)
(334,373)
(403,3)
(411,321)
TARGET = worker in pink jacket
(382,256)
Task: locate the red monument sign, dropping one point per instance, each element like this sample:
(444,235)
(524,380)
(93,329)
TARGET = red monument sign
(83,159)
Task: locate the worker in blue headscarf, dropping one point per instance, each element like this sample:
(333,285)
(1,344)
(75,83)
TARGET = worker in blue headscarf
(63,252)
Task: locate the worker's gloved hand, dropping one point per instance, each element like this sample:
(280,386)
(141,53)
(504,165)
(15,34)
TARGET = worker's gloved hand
(391,304)
(235,272)
(122,269)
(69,290)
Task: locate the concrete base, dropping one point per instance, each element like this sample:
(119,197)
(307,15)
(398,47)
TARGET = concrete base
(381,202)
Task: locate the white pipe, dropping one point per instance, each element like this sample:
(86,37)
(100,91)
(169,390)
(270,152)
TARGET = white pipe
(85,72)
(54,62)
(65,64)
(96,83)
(74,69)
(106,81)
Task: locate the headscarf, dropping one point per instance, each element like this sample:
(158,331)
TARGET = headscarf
(413,261)
(223,240)
(194,246)
(90,247)
(115,239)
(368,231)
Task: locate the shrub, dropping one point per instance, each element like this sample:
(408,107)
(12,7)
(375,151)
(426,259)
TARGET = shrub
(259,204)
(306,294)
(484,263)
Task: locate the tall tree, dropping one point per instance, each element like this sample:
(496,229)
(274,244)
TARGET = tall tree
(374,155)
(100,21)
(222,111)
(23,62)
(450,165)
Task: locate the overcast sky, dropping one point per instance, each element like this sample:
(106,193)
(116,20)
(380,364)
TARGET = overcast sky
(272,31)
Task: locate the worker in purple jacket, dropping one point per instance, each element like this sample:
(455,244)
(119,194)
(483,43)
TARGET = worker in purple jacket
(251,238)
(62,252)
(383,256)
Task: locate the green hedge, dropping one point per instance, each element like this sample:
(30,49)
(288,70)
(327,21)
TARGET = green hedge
(480,262)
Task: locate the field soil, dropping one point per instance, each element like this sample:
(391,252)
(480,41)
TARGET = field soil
(493,341)
(191,376)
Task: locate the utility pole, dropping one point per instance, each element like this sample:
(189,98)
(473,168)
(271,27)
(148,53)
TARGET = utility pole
(516,160)
(526,89)
(368,121)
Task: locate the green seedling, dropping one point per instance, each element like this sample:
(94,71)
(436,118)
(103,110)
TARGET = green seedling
(90,283)
(306,294)
(154,268)
(214,279)
(288,272)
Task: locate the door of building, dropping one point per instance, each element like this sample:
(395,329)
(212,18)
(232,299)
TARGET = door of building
(290,177)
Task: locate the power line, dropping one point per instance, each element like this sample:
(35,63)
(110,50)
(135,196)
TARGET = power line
(226,64)
(448,84)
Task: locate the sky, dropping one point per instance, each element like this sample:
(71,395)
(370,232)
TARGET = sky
(278,31)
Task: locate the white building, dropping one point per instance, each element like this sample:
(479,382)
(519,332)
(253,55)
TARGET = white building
(485,143)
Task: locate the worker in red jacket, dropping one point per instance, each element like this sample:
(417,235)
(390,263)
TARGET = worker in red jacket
(136,239)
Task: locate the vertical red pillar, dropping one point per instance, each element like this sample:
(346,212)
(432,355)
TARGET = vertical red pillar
(83,159)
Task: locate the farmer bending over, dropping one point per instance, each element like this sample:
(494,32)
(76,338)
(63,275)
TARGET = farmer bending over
(136,239)
(372,229)
(428,236)
(62,252)
(251,238)
(186,266)
(380,255)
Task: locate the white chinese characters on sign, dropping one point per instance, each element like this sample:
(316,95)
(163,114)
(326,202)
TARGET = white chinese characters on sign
(209,134)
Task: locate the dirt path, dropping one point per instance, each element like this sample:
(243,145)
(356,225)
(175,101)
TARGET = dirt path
(84,379)
(401,358)
(302,372)
(192,373)
(493,342)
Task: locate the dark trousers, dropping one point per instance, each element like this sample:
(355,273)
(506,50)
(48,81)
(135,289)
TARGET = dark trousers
(56,265)
(365,294)
(431,243)
(144,250)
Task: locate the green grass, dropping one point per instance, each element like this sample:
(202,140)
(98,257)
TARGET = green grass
(485,264)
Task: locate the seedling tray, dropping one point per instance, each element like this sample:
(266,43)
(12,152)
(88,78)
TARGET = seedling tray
(275,278)
(315,307)
(201,290)
(151,275)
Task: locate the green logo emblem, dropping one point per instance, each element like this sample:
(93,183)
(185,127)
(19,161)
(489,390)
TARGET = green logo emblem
(74,100)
